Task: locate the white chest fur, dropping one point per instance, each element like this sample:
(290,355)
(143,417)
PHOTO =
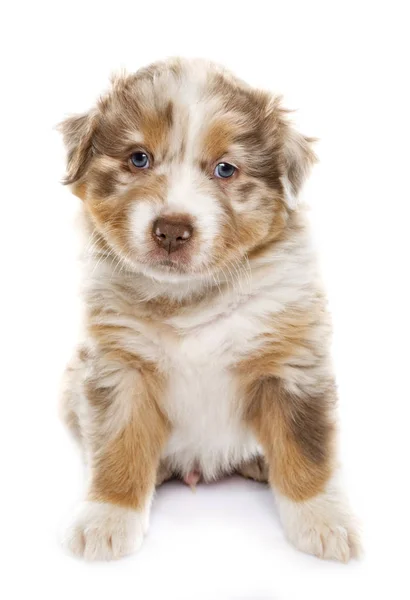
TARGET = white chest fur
(203,399)
(203,405)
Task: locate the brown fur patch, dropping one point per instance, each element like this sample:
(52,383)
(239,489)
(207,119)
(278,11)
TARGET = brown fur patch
(155,128)
(165,472)
(124,471)
(256,469)
(111,214)
(217,140)
(245,189)
(290,398)
(103,183)
(296,433)
(122,388)
(291,337)
(259,133)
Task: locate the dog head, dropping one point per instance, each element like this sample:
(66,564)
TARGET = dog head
(184,169)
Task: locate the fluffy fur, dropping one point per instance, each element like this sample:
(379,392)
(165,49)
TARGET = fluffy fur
(213,358)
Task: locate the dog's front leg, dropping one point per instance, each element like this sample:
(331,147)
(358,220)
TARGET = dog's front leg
(295,426)
(124,431)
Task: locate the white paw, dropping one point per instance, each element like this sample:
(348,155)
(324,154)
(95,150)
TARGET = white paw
(322,526)
(104,531)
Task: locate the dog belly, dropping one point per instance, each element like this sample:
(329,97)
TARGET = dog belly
(208,435)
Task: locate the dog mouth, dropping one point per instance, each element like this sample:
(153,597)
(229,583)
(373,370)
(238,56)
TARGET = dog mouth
(175,262)
(181,263)
(177,267)
(170,264)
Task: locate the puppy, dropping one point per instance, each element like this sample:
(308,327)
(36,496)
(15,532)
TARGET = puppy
(206,339)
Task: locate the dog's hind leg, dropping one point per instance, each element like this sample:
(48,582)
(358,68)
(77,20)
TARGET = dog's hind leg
(256,469)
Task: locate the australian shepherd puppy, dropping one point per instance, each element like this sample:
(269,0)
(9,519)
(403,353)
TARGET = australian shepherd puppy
(206,339)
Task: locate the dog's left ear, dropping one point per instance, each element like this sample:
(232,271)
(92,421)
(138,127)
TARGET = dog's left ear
(298,159)
(77,134)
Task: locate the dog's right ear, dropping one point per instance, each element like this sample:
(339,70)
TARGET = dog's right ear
(78,136)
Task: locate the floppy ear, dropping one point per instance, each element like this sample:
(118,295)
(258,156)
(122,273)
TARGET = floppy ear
(298,159)
(77,134)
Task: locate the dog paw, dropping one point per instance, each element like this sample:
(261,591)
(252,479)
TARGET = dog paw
(326,540)
(256,469)
(104,531)
(322,526)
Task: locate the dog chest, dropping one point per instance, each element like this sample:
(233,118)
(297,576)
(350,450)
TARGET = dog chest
(203,404)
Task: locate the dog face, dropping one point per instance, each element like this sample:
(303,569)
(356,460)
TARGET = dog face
(184,170)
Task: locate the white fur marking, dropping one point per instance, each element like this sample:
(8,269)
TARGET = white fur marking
(103,531)
(323,526)
(142,216)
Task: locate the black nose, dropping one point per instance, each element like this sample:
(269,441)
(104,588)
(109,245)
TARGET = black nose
(171,233)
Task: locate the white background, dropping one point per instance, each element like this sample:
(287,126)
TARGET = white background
(345,66)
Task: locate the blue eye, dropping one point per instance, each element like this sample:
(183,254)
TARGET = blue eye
(224,170)
(139,160)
